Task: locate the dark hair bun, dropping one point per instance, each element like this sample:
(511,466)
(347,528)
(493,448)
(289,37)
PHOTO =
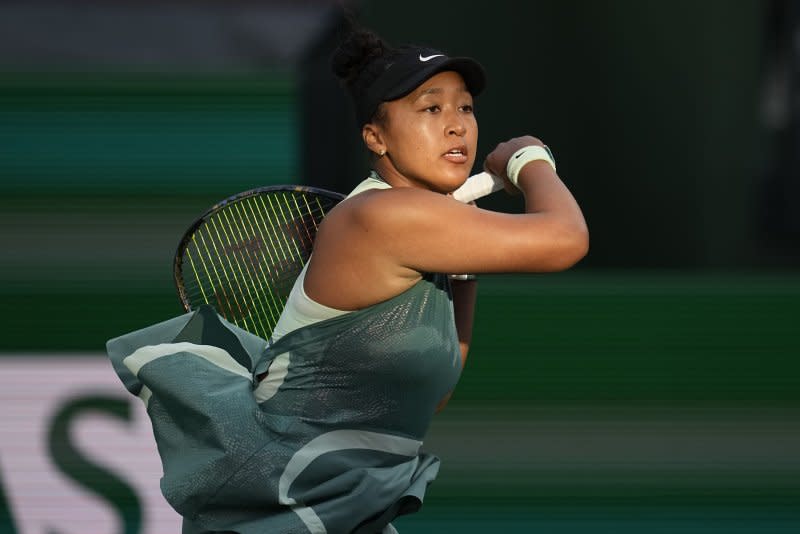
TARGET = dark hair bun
(356,51)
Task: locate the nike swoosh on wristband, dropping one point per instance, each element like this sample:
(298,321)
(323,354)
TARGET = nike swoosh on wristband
(543,146)
(428,58)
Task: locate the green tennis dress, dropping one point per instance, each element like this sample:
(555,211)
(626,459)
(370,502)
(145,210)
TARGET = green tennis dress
(329,442)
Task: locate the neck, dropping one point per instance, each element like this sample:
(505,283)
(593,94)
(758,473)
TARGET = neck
(385,171)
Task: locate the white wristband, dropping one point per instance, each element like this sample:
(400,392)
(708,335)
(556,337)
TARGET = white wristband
(524,156)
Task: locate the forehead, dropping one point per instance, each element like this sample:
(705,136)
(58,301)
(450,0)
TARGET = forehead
(446,81)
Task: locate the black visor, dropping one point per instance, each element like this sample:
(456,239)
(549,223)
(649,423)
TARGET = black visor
(407,70)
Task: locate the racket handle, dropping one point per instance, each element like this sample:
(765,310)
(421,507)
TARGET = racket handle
(477,186)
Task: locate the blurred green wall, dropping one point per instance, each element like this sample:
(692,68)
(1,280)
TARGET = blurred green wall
(70,135)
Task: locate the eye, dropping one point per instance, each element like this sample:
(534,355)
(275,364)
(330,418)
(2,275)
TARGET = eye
(467,108)
(433,109)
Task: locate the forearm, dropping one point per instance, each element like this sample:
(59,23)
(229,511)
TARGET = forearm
(546,193)
(560,217)
(528,165)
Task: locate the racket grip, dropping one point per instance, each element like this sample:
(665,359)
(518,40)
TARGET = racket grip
(477,186)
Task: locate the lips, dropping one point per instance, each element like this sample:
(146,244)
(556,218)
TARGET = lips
(457,154)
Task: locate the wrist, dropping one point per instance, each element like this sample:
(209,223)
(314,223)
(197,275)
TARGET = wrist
(525,155)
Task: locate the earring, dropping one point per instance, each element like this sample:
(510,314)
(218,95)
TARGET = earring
(382,153)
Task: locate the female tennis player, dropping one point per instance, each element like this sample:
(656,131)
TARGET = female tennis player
(320,428)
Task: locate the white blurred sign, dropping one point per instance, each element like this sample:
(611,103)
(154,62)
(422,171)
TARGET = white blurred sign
(77,453)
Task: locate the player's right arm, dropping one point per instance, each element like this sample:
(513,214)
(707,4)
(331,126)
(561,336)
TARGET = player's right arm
(375,245)
(436,234)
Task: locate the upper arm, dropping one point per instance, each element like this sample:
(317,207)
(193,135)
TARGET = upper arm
(430,232)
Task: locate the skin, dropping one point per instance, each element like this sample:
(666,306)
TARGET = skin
(375,245)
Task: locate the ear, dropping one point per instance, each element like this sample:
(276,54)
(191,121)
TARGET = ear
(373,138)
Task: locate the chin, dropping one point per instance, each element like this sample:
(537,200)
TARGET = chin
(454,182)
(444,182)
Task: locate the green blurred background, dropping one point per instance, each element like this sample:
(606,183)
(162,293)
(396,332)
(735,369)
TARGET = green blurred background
(653,388)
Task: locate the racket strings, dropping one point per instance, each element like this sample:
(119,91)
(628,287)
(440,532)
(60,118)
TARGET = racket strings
(245,258)
(258,253)
(280,229)
(239,247)
(232,292)
(213,281)
(237,298)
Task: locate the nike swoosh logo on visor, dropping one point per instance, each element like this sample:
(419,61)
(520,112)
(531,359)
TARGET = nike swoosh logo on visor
(428,58)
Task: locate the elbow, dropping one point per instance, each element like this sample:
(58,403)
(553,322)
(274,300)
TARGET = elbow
(581,245)
(571,246)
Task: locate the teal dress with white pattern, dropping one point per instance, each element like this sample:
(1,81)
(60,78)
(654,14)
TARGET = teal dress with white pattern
(330,443)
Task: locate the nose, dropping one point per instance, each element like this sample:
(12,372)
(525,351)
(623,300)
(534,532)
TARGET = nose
(456,125)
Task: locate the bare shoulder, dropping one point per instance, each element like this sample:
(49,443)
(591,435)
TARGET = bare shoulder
(384,210)
(397,208)
(355,260)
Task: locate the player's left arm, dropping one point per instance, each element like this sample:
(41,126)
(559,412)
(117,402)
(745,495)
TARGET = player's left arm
(464,295)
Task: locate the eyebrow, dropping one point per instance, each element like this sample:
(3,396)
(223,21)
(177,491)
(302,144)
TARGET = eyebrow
(436,91)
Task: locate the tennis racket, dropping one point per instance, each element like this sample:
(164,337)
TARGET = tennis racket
(243,255)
